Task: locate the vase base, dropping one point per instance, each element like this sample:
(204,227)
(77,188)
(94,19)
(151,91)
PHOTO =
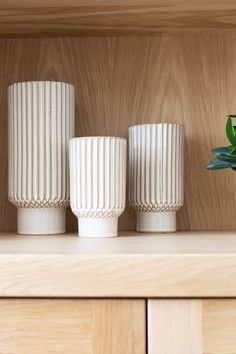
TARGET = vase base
(156,222)
(97,227)
(41,221)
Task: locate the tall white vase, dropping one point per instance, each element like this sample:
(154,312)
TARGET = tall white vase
(97,184)
(41,122)
(156,165)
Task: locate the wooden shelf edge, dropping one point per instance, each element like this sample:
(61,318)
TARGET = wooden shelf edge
(120,268)
(94,17)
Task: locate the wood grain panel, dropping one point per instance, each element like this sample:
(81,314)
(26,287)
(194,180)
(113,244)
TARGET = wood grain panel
(174,327)
(192,326)
(180,265)
(219,326)
(221,244)
(123,81)
(72,326)
(104,17)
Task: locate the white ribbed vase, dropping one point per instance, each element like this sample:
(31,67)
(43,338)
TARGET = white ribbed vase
(156,166)
(97,184)
(41,122)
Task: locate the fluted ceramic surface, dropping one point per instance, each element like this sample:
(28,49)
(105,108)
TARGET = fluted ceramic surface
(97,184)
(41,122)
(97,176)
(156,167)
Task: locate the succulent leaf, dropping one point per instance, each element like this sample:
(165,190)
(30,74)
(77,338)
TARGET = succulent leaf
(219,165)
(233,150)
(219,150)
(230,131)
(225,157)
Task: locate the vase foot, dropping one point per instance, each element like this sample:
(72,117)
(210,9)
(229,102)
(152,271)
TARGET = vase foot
(97,227)
(156,222)
(41,221)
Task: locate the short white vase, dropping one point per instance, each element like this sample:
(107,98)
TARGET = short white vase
(41,122)
(97,184)
(156,165)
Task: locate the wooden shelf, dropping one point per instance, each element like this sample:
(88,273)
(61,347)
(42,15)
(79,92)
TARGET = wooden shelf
(185,264)
(103,17)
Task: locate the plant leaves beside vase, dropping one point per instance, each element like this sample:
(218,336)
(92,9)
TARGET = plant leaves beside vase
(225,157)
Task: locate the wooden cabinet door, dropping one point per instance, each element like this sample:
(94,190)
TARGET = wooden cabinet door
(192,327)
(72,326)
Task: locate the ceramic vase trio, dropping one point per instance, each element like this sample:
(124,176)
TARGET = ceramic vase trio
(42,149)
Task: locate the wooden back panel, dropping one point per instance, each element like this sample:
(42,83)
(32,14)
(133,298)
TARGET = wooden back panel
(121,81)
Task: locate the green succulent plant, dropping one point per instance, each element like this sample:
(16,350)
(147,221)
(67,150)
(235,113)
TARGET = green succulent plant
(225,157)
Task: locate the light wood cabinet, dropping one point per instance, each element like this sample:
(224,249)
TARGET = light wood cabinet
(173,326)
(33,326)
(192,326)
(137,294)
(171,294)
(219,326)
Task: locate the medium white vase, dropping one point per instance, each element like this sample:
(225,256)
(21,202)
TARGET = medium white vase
(41,122)
(156,165)
(97,184)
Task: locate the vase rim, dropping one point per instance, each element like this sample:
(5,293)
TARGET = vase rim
(97,137)
(156,124)
(40,81)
